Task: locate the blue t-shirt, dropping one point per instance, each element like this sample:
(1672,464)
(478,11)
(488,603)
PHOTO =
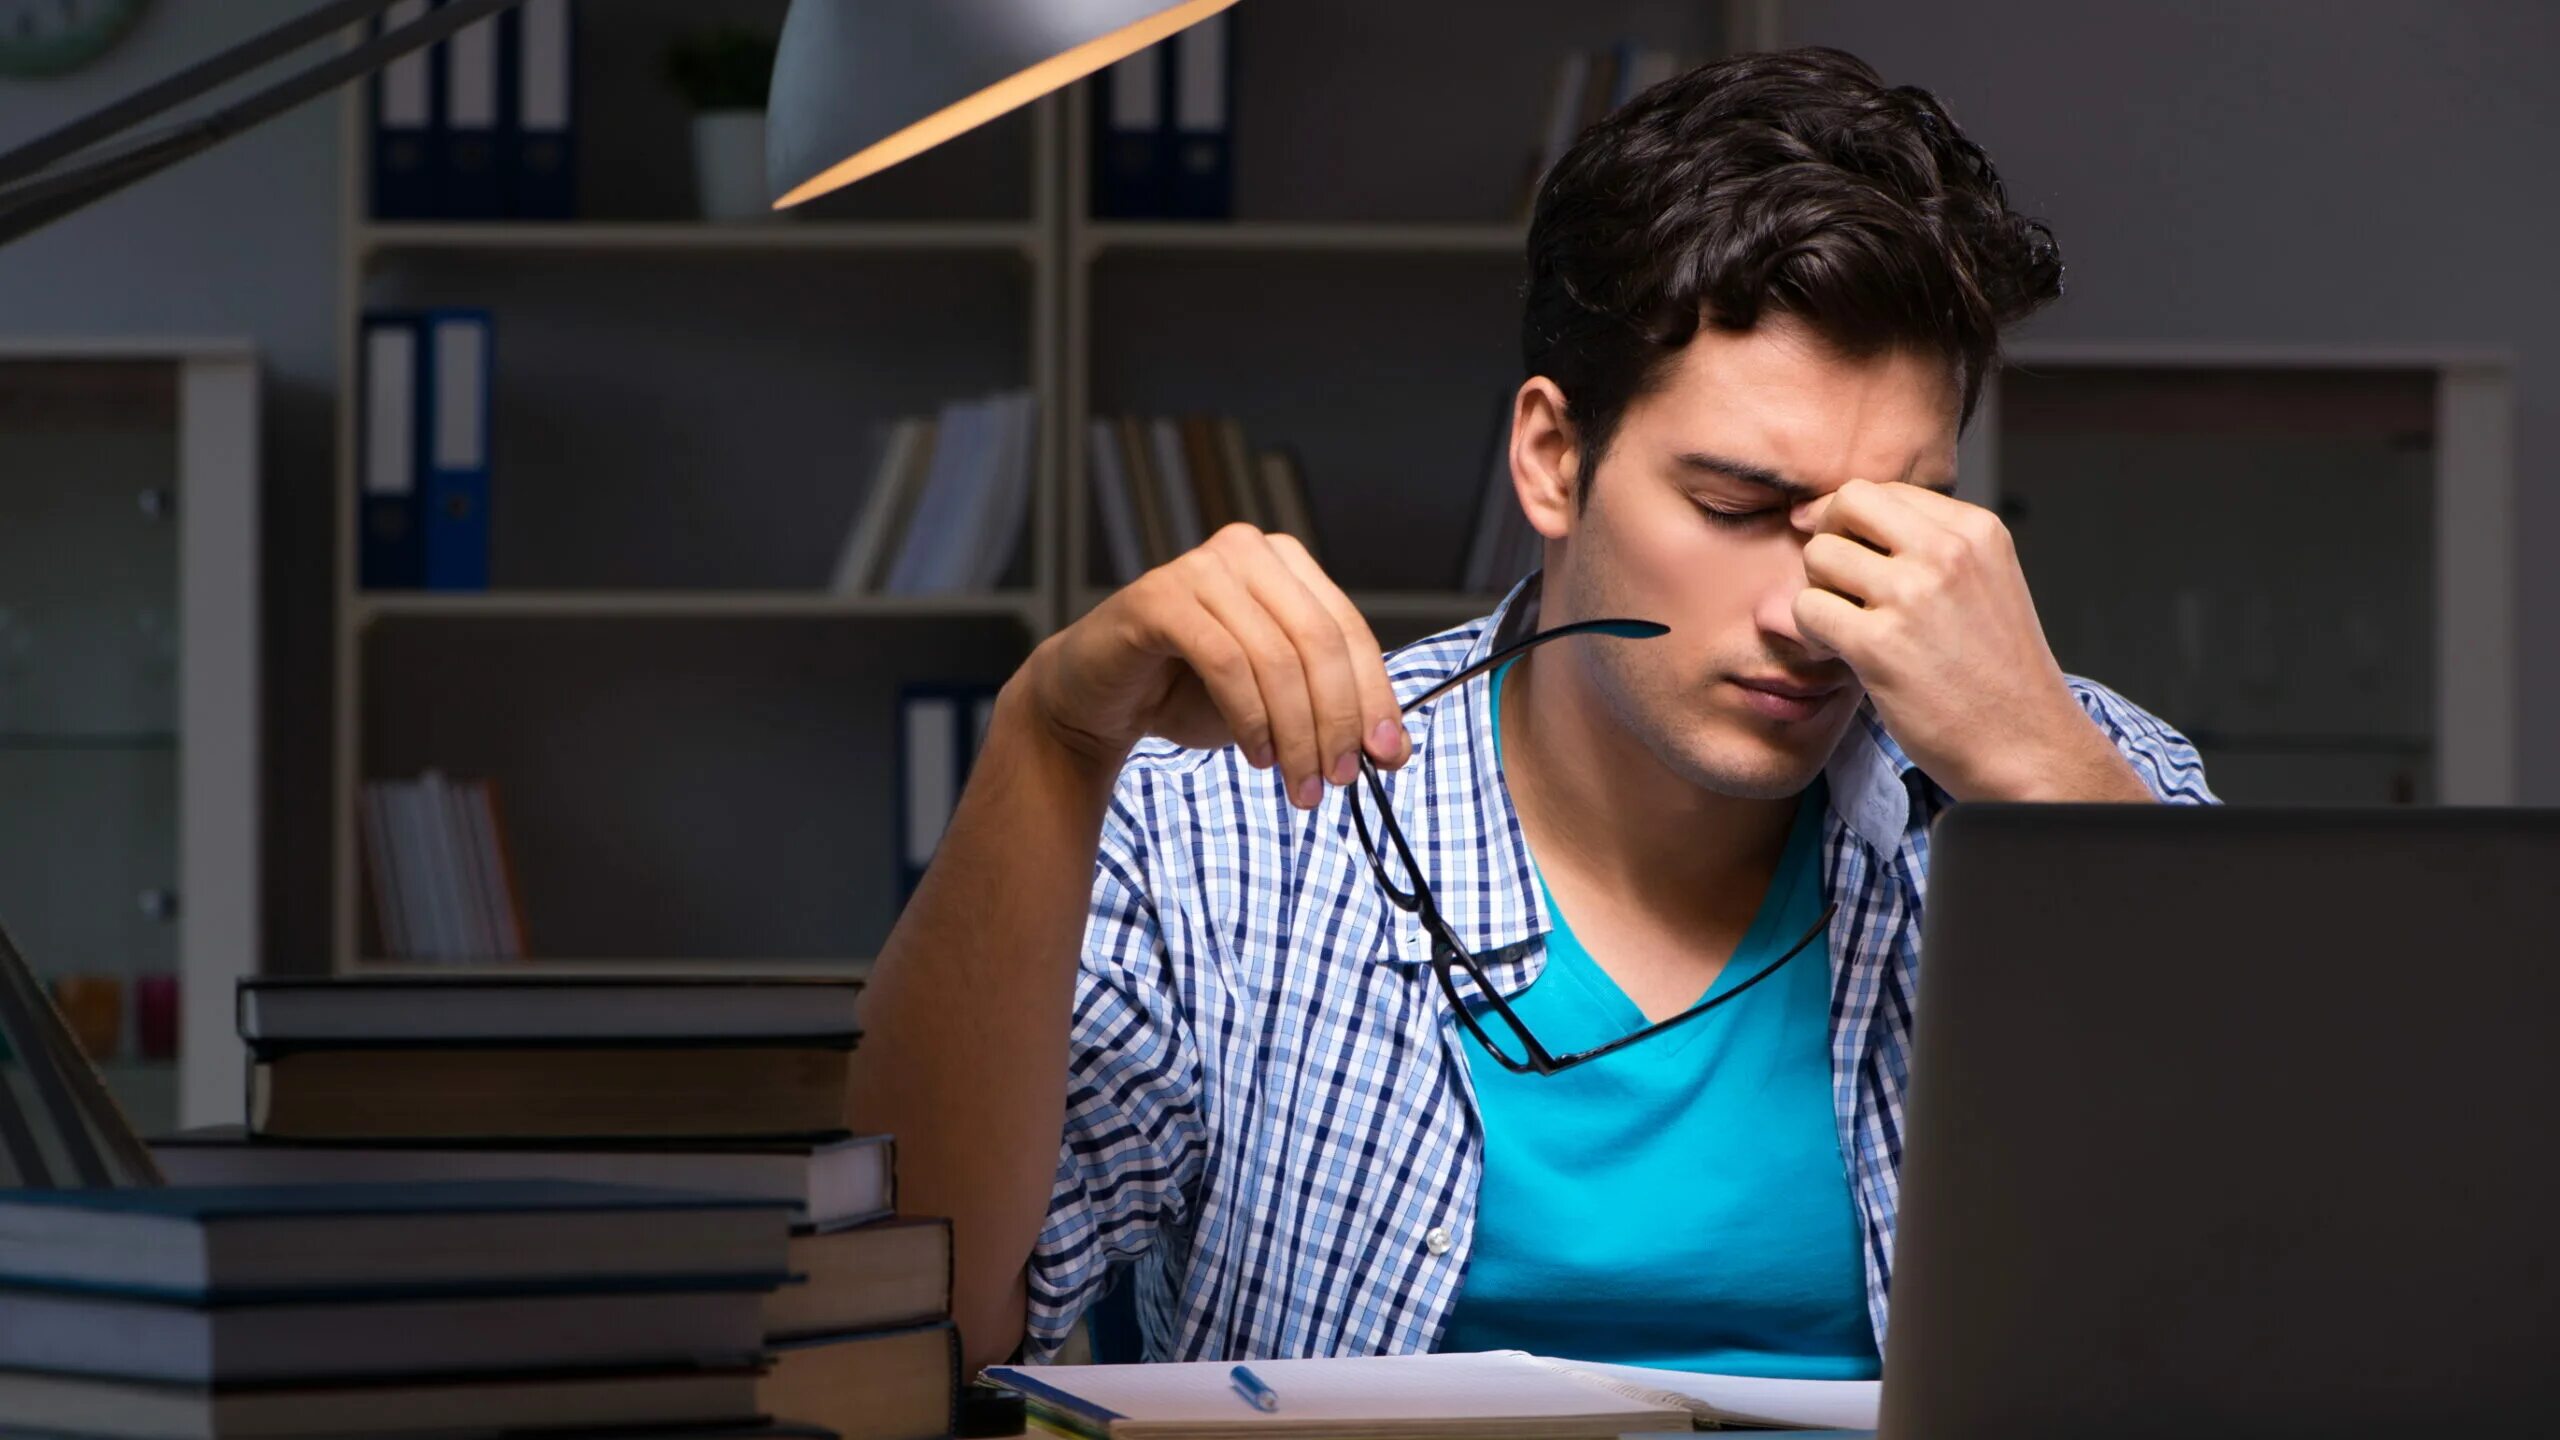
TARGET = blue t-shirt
(1681,1203)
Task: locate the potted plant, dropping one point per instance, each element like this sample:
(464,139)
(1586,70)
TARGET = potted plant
(725,74)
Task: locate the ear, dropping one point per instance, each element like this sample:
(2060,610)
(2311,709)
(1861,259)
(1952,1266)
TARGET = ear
(1545,458)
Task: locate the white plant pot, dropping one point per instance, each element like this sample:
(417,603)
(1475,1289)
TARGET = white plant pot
(728,165)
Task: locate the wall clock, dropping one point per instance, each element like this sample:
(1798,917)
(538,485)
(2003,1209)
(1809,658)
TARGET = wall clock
(54,37)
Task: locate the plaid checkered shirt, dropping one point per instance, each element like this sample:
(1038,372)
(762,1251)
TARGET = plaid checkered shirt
(1268,1115)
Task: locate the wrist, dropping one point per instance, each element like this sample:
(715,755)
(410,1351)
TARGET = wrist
(1024,706)
(2082,767)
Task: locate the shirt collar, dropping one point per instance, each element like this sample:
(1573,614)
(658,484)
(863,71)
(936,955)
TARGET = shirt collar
(1457,813)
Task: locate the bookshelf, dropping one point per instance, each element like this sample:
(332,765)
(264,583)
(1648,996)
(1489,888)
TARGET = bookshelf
(647,603)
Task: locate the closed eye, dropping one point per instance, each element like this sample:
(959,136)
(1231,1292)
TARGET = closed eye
(1736,518)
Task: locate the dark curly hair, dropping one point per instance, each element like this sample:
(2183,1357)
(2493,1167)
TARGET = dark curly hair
(1792,182)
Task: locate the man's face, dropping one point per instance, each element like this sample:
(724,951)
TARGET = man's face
(1688,524)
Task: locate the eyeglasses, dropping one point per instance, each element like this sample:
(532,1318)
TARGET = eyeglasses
(1448,953)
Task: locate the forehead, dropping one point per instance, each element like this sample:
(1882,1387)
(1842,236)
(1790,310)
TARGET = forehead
(1781,397)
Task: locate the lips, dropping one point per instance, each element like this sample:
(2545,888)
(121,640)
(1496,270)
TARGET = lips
(1788,688)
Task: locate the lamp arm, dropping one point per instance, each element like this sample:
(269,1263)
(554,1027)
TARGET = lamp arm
(33,203)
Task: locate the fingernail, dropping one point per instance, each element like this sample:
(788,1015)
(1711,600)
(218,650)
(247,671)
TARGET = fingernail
(1382,740)
(1308,792)
(1346,768)
(1262,756)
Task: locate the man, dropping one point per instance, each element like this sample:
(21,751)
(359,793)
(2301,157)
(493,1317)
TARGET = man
(1153,1006)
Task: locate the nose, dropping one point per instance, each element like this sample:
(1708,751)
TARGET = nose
(1777,611)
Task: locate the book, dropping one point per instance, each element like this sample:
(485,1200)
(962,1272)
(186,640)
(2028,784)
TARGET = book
(964,435)
(1235,468)
(1200,183)
(367,1009)
(1007,513)
(1132,144)
(127,1409)
(885,1385)
(1495,1395)
(1184,526)
(903,457)
(1284,491)
(828,1182)
(226,1243)
(458,353)
(538,51)
(1155,524)
(404,108)
(863,1277)
(1201,461)
(486,1092)
(391,545)
(390,1336)
(469,181)
(1114,506)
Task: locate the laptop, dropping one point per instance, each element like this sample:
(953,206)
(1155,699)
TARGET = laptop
(2232,1121)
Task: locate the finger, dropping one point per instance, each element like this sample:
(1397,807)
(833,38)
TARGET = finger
(1382,727)
(1324,656)
(1867,513)
(1277,674)
(1833,623)
(1845,567)
(1204,643)
(1935,505)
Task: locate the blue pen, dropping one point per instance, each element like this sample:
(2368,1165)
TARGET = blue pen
(1250,1386)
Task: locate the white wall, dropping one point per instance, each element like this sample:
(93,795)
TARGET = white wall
(2280,171)
(239,241)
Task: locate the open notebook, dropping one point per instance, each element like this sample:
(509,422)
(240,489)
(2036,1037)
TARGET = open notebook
(1496,1393)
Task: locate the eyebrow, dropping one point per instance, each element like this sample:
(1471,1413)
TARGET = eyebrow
(1794,492)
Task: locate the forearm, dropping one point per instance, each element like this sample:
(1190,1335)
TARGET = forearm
(2085,767)
(964,1052)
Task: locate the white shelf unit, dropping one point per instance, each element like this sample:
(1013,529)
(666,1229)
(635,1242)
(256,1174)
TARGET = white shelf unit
(1063,247)
(213,470)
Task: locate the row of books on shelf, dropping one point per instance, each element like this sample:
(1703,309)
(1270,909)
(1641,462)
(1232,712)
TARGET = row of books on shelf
(1163,485)
(477,1205)
(481,125)
(1163,129)
(1589,84)
(423,449)
(949,500)
(444,884)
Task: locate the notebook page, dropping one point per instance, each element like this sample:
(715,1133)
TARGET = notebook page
(1797,1404)
(1453,1394)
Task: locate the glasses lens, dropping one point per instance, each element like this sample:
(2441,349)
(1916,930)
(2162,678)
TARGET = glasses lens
(1506,1049)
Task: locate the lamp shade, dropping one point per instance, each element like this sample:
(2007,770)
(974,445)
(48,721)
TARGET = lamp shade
(859,85)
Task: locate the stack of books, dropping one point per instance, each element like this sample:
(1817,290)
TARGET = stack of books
(713,1086)
(1163,485)
(949,501)
(381,1309)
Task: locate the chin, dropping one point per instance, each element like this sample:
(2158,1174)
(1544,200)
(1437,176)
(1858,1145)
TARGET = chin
(1742,760)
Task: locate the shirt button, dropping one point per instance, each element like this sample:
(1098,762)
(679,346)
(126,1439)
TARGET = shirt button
(1437,1240)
